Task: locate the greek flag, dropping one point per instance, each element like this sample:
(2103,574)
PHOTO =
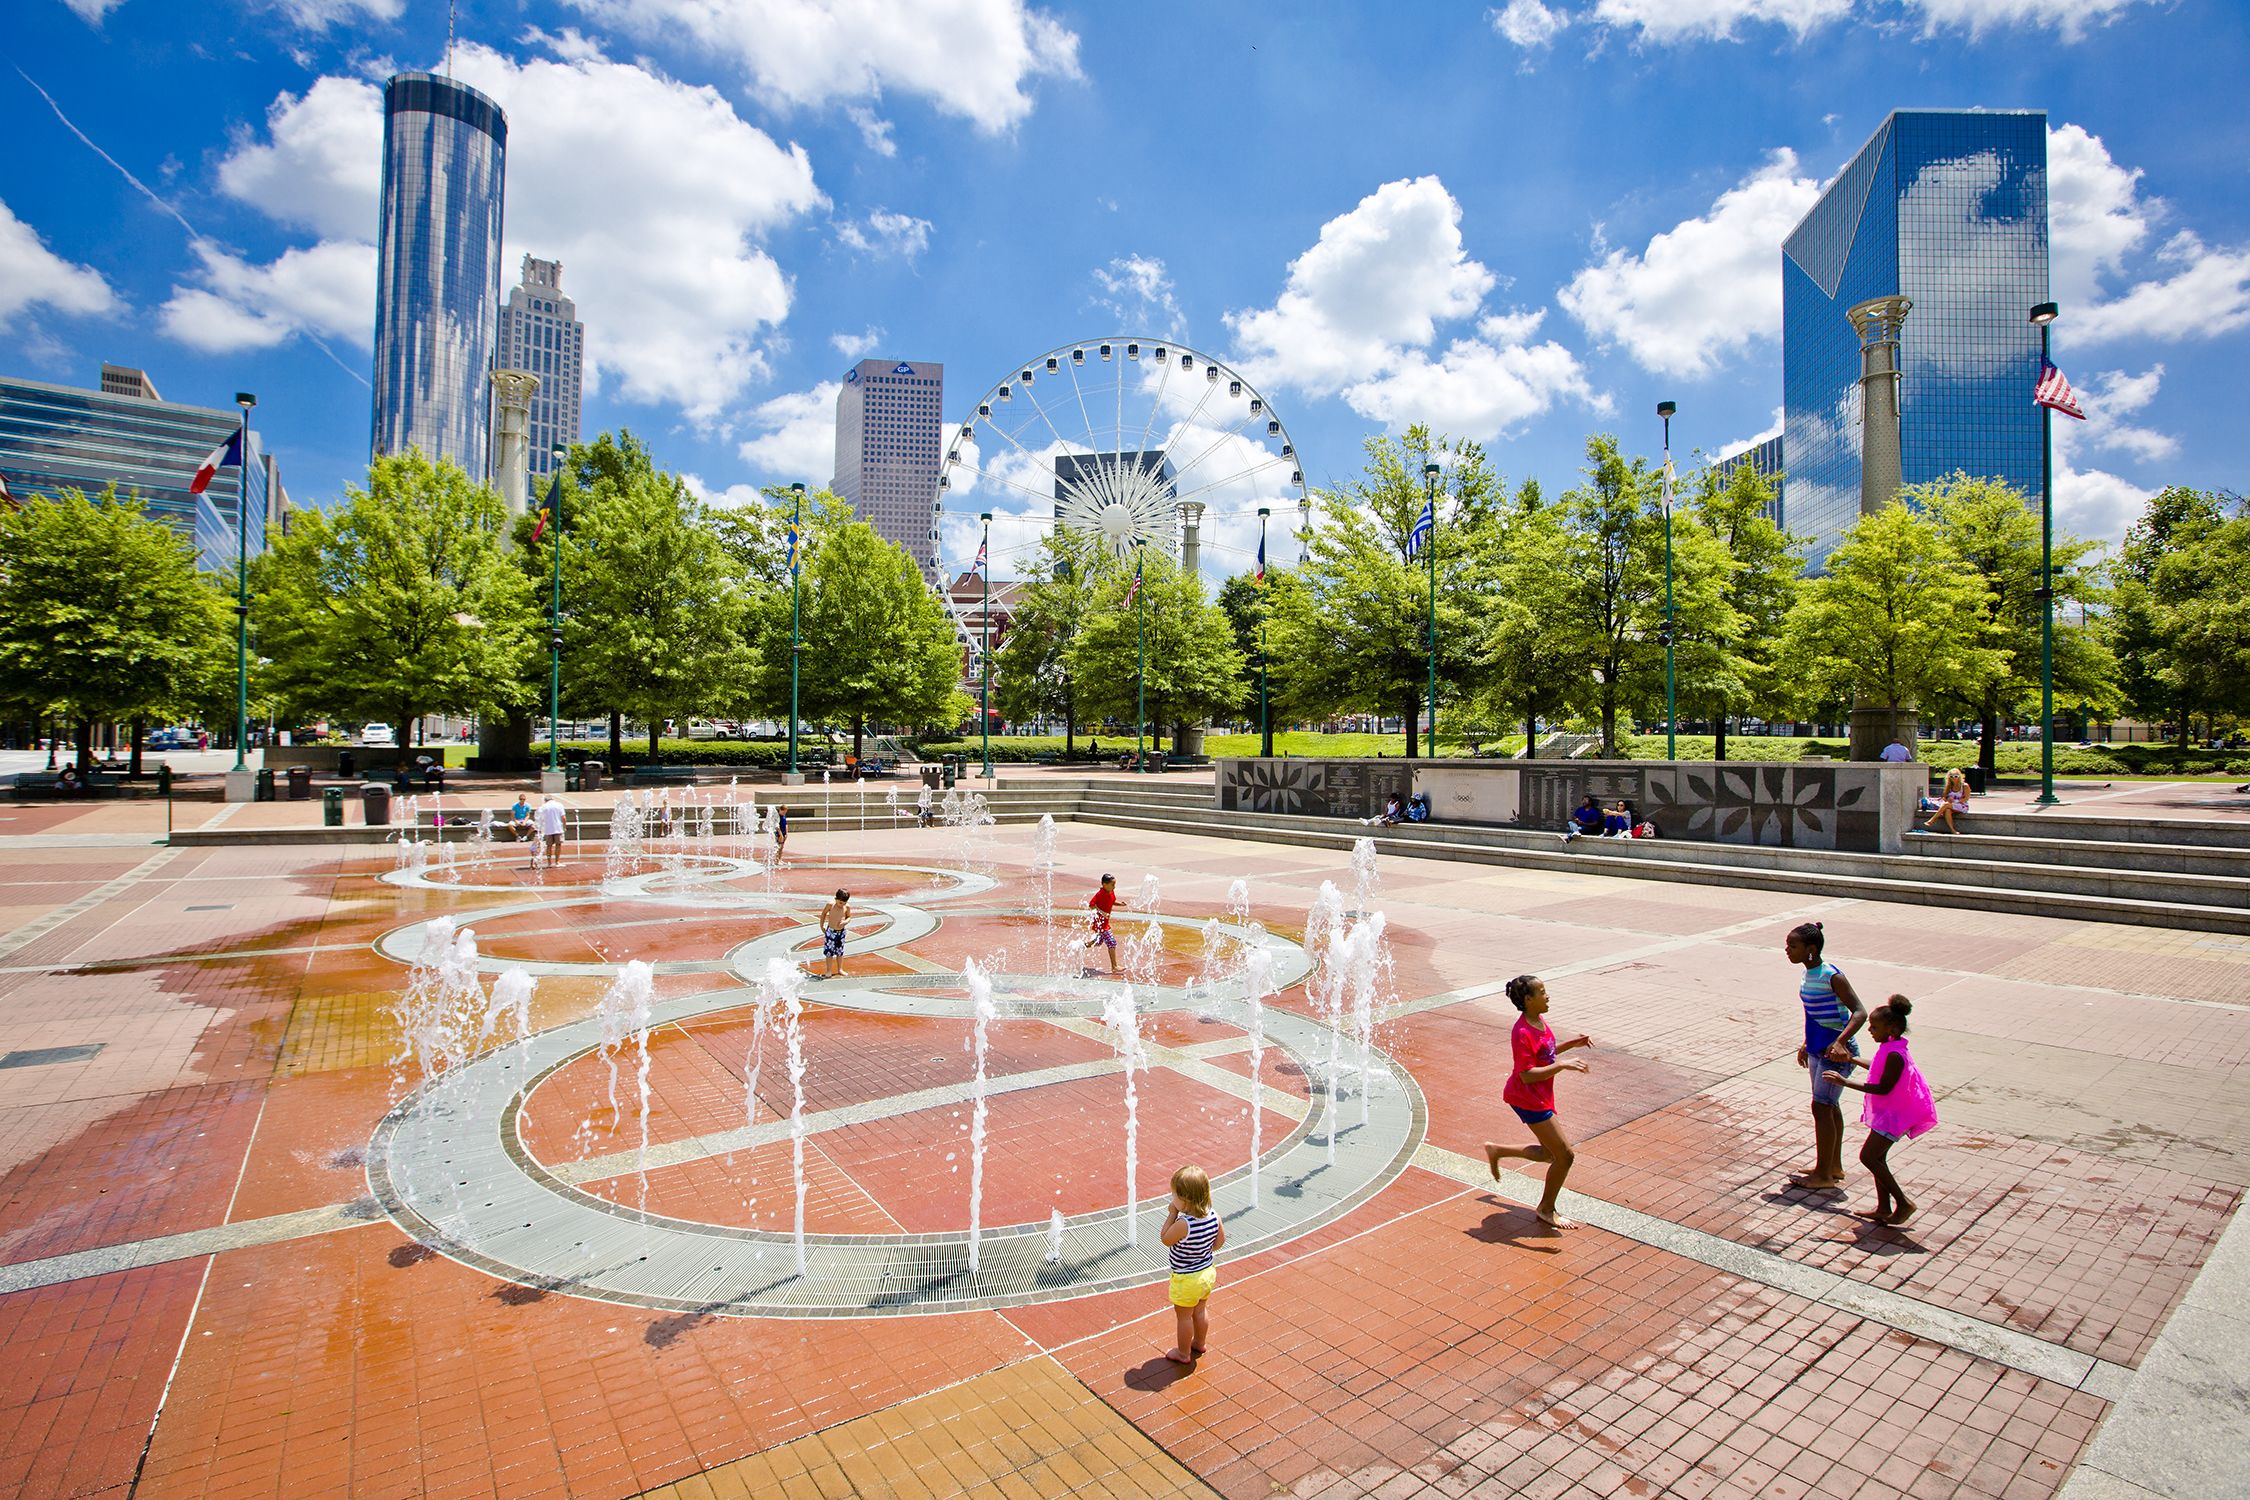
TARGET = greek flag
(1425,527)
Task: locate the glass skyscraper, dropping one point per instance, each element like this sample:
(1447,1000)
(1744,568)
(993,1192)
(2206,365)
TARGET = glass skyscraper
(55,438)
(437,292)
(1947,208)
(887,427)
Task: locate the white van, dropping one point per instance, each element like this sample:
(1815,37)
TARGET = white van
(377,734)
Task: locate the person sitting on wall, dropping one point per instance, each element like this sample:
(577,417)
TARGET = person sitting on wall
(1585,820)
(1418,808)
(1393,811)
(519,819)
(1896,751)
(1617,823)
(67,782)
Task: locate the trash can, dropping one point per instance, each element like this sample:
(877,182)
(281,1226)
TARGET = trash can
(300,783)
(264,789)
(952,771)
(163,778)
(573,779)
(590,775)
(332,807)
(933,778)
(375,804)
(1976,779)
(347,764)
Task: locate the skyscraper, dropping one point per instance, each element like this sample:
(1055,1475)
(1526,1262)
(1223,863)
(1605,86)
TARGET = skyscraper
(437,289)
(540,333)
(1947,208)
(888,425)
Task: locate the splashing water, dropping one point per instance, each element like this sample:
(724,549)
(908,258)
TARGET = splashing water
(1365,880)
(1124,1021)
(1328,991)
(1238,900)
(980,999)
(783,989)
(440,1012)
(1043,843)
(626,826)
(1326,916)
(1257,984)
(1364,953)
(510,1002)
(624,1015)
(1054,1236)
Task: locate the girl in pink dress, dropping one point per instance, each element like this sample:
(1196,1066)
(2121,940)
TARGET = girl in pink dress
(1899,1106)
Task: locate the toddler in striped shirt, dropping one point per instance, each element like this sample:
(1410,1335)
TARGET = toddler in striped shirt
(1193,1233)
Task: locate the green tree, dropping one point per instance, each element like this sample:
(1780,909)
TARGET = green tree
(1247,604)
(1524,670)
(1031,669)
(653,615)
(1898,619)
(2203,596)
(878,644)
(1993,529)
(1354,627)
(2155,680)
(103,615)
(1171,640)
(1738,673)
(398,603)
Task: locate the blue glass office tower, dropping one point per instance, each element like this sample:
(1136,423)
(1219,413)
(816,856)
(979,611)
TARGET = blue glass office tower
(1947,208)
(437,291)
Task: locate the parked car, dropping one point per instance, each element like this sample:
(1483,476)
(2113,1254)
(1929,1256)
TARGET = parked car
(170,739)
(710,729)
(377,734)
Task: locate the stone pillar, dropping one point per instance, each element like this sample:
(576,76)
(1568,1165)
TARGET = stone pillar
(1881,472)
(512,391)
(1187,739)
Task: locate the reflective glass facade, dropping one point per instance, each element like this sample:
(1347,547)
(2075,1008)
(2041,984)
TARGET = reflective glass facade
(1949,209)
(54,438)
(437,293)
(888,422)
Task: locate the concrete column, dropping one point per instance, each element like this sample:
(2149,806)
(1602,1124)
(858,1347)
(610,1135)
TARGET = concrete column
(1187,739)
(512,391)
(1881,473)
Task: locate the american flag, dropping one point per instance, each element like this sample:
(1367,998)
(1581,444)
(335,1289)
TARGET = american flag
(1425,527)
(2054,391)
(1134,591)
(1261,558)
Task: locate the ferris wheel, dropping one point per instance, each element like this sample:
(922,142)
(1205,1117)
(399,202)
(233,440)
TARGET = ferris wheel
(1127,443)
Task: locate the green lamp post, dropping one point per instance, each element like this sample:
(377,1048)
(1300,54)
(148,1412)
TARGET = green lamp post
(1429,487)
(796,611)
(245,400)
(2043,315)
(984,650)
(554,620)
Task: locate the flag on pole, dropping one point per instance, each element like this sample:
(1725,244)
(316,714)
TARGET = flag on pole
(1670,479)
(977,567)
(1261,579)
(228,455)
(2053,391)
(1134,591)
(1425,526)
(792,546)
(552,507)
(7,496)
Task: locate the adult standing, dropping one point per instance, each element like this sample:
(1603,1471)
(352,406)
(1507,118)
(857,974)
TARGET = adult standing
(551,824)
(1833,1016)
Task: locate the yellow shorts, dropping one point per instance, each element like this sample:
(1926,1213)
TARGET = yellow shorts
(1189,1288)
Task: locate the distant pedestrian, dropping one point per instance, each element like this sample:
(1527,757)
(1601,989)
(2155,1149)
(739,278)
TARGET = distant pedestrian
(1193,1236)
(780,832)
(1896,750)
(835,921)
(1103,902)
(552,816)
(1899,1106)
(1530,1092)
(1833,1016)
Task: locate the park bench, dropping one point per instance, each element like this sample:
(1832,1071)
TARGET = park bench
(663,775)
(1046,757)
(1186,762)
(49,784)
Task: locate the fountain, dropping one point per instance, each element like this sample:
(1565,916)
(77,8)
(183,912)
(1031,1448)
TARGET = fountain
(783,989)
(1364,878)
(980,999)
(623,1012)
(1123,1019)
(1054,1236)
(1257,984)
(1364,953)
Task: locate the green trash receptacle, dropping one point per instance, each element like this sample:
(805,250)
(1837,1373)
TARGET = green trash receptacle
(264,789)
(573,779)
(163,778)
(952,765)
(332,807)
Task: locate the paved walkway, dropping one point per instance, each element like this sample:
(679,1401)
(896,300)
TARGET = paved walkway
(199,1296)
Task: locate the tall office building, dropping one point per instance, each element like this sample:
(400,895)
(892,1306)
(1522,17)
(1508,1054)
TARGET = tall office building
(437,289)
(1764,459)
(540,334)
(1947,208)
(55,437)
(124,380)
(889,422)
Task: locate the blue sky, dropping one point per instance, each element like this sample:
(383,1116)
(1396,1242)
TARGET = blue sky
(1522,223)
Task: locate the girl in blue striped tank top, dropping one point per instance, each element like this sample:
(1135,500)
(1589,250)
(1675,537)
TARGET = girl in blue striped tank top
(1833,1016)
(1193,1235)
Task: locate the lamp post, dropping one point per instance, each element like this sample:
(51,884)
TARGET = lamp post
(2043,315)
(1140,668)
(554,622)
(1429,489)
(245,400)
(1265,716)
(984,652)
(796,614)
(1665,409)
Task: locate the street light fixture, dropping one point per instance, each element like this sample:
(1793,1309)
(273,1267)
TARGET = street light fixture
(1429,489)
(245,400)
(984,652)
(1666,409)
(796,611)
(554,619)
(2043,315)
(1265,716)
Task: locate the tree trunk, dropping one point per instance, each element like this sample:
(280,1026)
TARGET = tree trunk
(1719,733)
(616,737)
(1609,718)
(85,746)
(1530,732)
(1988,730)
(655,729)
(859,736)
(1413,720)
(140,733)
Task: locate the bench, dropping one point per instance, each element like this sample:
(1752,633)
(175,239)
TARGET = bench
(667,775)
(1186,762)
(49,783)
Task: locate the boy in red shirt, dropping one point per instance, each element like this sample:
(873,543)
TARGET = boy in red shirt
(1102,901)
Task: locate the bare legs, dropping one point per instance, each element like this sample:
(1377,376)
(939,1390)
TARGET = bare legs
(1828,1146)
(1892,1206)
(1193,1328)
(1553,1149)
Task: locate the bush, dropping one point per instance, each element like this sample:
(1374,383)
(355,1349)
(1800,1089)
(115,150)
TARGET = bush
(770,755)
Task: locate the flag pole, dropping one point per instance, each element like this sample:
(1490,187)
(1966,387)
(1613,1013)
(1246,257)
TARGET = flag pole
(554,622)
(245,400)
(984,652)
(1140,670)
(1429,484)
(1265,714)
(2043,315)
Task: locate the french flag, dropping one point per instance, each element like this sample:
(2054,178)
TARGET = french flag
(228,455)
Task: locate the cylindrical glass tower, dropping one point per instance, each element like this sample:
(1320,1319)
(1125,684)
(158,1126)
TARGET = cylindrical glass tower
(437,289)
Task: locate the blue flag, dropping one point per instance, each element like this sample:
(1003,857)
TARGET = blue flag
(1425,527)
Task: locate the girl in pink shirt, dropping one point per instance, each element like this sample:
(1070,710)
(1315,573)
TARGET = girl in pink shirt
(1530,1092)
(1899,1106)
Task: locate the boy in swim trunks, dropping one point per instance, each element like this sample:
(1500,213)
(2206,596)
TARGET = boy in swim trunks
(835,919)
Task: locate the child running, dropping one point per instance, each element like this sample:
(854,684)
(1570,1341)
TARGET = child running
(780,832)
(1103,901)
(1833,1016)
(835,918)
(1530,1092)
(1194,1234)
(1899,1106)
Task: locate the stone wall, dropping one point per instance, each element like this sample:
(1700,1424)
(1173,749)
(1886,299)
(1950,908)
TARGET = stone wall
(1858,806)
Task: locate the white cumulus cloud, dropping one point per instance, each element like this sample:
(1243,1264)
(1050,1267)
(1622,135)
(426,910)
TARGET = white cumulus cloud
(31,276)
(2099,223)
(320,163)
(974,59)
(92,11)
(1704,289)
(2092,503)
(1137,291)
(2069,19)
(886,233)
(857,346)
(795,440)
(1528,23)
(1475,389)
(327,290)
(319,15)
(1663,21)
